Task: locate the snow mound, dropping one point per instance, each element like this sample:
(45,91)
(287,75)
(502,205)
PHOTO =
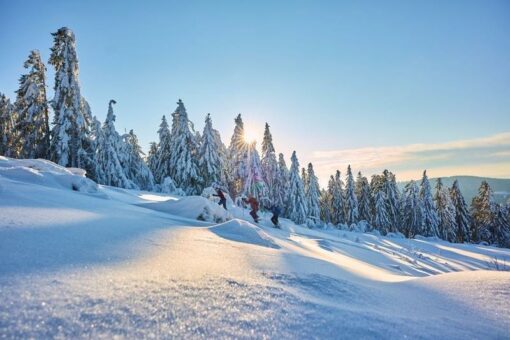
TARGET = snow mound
(245,232)
(193,207)
(46,173)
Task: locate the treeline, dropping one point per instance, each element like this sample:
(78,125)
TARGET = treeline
(185,161)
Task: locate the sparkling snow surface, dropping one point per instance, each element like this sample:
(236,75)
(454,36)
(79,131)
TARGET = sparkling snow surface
(95,262)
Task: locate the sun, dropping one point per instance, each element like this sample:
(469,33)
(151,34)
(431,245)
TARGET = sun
(250,135)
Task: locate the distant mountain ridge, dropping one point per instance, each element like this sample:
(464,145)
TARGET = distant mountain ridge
(469,186)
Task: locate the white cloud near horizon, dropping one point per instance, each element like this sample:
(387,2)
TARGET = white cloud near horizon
(466,155)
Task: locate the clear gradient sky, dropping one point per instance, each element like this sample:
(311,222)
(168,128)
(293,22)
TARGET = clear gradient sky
(404,85)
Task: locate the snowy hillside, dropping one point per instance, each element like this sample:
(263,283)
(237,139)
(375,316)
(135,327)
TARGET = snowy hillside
(81,260)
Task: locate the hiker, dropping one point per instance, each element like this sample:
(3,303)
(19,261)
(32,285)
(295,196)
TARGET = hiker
(254,204)
(276,213)
(223,200)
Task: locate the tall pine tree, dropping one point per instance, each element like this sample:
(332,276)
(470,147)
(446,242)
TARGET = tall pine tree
(31,107)
(430,219)
(136,168)
(313,195)
(270,166)
(184,157)
(7,132)
(412,211)
(161,160)
(447,227)
(462,217)
(281,184)
(237,159)
(110,158)
(210,158)
(70,142)
(297,209)
(351,201)
(364,200)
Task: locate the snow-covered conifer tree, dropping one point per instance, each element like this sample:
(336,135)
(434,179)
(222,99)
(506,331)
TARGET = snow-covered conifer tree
(269,165)
(161,160)
(135,167)
(412,211)
(462,217)
(430,219)
(254,184)
(381,222)
(446,212)
(351,201)
(151,157)
(483,212)
(32,126)
(210,158)
(96,141)
(501,228)
(337,202)
(392,195)
(70,142)
(364,200)
(296,200)
(110,157)
(184,166)
(313,194)
(325,204)
(281,184)
(7,132)
(237,159)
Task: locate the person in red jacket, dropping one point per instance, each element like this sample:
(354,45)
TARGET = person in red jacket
(254,205)
(223,200)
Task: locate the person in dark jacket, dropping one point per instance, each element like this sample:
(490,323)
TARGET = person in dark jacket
(223,200)
(254,205)
(276,213)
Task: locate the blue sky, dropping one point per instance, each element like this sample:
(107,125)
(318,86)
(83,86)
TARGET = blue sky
(361,82)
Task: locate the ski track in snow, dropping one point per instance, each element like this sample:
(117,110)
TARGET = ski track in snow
(99,264)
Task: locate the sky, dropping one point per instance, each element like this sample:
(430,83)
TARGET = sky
(403,85)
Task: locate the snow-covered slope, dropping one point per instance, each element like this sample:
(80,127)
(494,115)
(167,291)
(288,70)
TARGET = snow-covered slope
(79,260)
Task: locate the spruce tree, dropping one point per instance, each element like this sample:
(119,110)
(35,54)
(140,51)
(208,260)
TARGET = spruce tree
(364,198)
(96,142)
(501,228)
(412,211)
(328,200)
(382,221)
(210,158)
(297,208)
(483,212)
(7,132)
(430,218)
(392,194)
(151,158)
(70,143)
(351,201)
(462,217)
(161,160)
(31,107)
(254,184)
(447,227)
(313,195)
(270,166)
(281,185)
(237,158)
(325,204)
(338,203)
(136,168)
(184,168)
(110,155)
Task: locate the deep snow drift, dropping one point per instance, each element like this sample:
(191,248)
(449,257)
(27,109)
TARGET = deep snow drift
(79,260)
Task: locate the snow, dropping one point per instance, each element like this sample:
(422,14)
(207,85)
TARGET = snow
(133,264)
